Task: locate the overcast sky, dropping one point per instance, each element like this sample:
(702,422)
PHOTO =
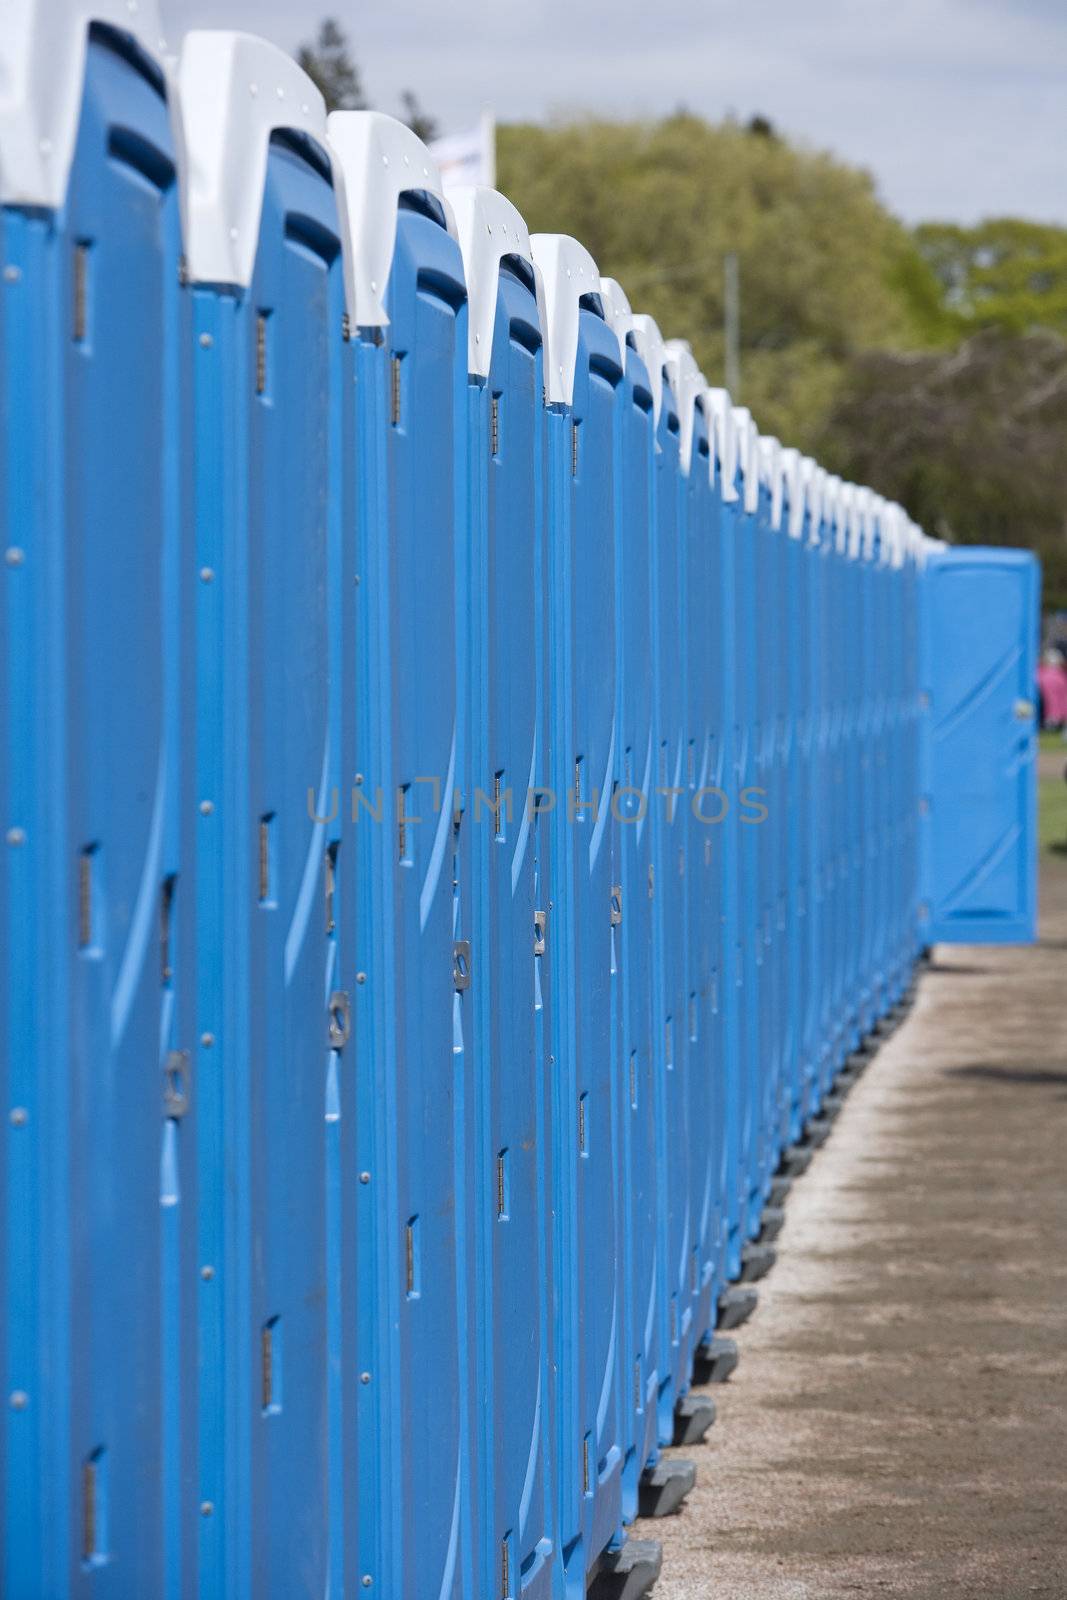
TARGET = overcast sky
(958,107)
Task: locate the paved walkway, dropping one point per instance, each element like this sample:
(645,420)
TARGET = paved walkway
(898,1422)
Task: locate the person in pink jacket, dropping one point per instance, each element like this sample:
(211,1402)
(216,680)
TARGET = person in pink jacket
(1052,686)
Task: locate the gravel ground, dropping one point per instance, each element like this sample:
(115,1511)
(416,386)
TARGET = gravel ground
(898,1421)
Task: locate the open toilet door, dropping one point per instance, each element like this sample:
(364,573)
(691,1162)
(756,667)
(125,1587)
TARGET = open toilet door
(979,628)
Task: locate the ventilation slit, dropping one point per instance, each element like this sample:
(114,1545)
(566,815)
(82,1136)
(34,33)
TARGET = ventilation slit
(266,1364)
(261,353)
(503,1187)
(330,878)
(81,293)
(394,391)
(85,897)
(265,822)
(89,1510)
(411,1257)
(166,912)
(94,1508)
(270,1371)
(401,822)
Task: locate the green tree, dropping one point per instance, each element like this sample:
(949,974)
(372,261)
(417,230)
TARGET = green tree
(1005,273)
(969,440)
(329,64)
(825,270)
(419,121)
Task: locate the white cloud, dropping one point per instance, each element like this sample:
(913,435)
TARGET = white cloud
(959,107)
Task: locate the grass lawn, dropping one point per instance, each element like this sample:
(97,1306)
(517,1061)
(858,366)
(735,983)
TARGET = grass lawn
(1052,799)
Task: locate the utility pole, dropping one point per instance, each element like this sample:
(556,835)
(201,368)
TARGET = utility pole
(732,325)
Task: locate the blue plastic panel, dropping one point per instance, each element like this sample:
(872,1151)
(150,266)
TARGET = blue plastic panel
(979,611)
(35,1465)
(670,831)
(632,933)
(701,803)
(751,1029)
(294,1078)
(727,523)
(766,649)
(584,765)
(793,801)
(414,998)
(262,815)
(102,1184)
(513,936)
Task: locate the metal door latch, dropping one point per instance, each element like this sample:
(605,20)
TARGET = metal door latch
(540,928)
(176,1084)
(461,964)
(339,1008)
(616,905)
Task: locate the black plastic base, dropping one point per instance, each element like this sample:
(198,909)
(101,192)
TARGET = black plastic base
(715,1360)
(736,1305)
(795,1161)
(780,1191)
(817,1132)
(629,1573)
(831,1106)
(693,1416)
(771,1224)
(664,1487)
(756,1261)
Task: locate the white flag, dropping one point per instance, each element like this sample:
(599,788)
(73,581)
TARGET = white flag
(470,157)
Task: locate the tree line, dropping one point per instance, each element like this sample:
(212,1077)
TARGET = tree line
(929,362)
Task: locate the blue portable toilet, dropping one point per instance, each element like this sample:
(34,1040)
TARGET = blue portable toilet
(416,968)
(911,797)
(771,835)
(722,468)
(262,356)
(727,508)
(814,481)
(905,788)
(664,887)
(845,651)
(752,1029)
(865,789)
(827,620)
(687,1100)
(703,863)
(885,773)
(98,1162)
(641,353)
(583,378)
(791,798)
(503,618)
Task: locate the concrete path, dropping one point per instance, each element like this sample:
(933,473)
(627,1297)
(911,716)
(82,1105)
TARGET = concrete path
(898,1421)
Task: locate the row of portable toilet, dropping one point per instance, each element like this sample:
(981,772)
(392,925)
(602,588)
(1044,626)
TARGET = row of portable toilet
(460,789)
